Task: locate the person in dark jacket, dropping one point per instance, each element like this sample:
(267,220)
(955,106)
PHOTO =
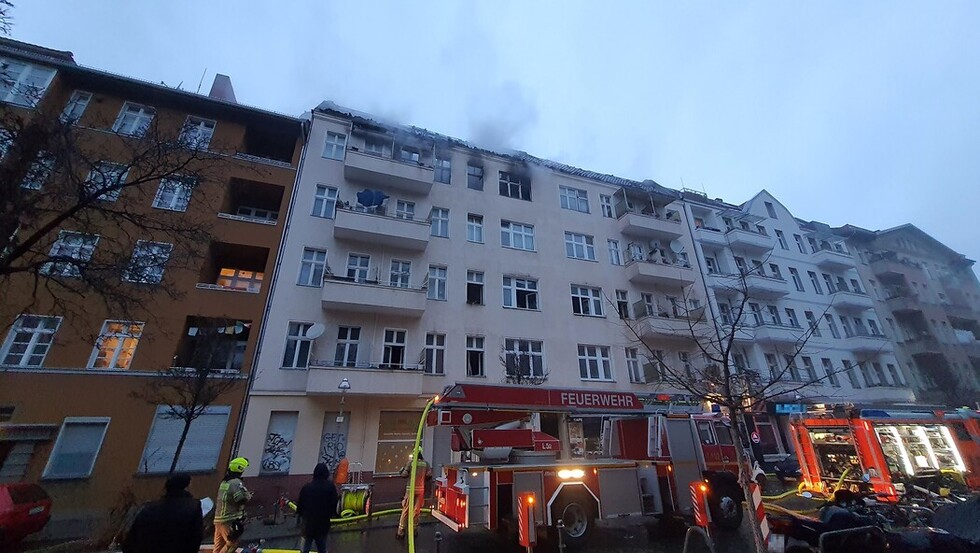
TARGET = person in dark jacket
(170,525)
(317,504)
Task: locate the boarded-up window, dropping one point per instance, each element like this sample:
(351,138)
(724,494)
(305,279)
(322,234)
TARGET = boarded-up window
(201,448)
(396,437)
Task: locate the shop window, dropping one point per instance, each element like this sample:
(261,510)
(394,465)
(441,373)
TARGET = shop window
(396,438)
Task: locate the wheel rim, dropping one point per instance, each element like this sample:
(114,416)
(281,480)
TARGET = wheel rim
(727,507)
(576,523)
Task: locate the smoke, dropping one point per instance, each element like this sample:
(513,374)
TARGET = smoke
(500,116)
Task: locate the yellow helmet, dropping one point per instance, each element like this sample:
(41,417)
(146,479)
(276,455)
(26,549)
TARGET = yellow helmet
(238,464)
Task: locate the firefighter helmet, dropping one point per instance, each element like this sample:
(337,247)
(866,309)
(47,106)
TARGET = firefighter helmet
(238,464)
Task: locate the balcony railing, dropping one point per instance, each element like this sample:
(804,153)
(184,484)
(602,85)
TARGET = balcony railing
(649,223)
(829,258)
(409,176)
(210,286)
(864,341)
(769,332)
(654,271)
(855,301)
(377,379)
(749,240)
(246,219)
(376,225)
(341,293)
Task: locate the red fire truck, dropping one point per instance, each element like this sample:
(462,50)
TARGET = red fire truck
(585,455)
(885,448)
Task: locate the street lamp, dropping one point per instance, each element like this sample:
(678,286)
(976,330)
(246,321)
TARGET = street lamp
(343,387)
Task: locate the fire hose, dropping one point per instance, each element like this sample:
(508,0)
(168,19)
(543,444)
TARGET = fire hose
(347,515)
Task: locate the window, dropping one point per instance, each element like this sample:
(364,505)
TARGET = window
(855,286)
(833,326)
(516,235)
(573,199)
(809,369)
(436,289)
(756,313)
(435,353)
(474,287)
(615,253)
(474,177)
(740,264)
(443,170)
(334,145)
(197,132)
(633,365)
(405,210)
(524,357)
(623,304)
(76,448)
(770,209)
(774,317)
(29,340)
(799,243)
(324,201)
(880,374)
(514,186)
(711,265)
(815,282)
(812,324)
(520,293)
(134,119)
(39,171)
(797,281)
(842,284)
(794,372)
(148,262)
(377,146)
(401,272)
(202,446)
(75,107)
(23,83)
(257,213)
(586,301)
(116,345)
(654,369)
(298,346)
(865,369)
(725,310)
(846,324)
(761,230)
(685,359)
(649,305)
(851,375)
(579,246)
(409,154)
(782,240)
(774,269)
(828,369)
(357,267)
(70,254)
(396,440)
(813,244)
(774,371)
(105,181)
(393,352)
(791,317)
(347,340)
(605,204)
(439,219)
(829,282)
(593,363)
(896,376)
(740,361)
(474,228)
(174,194)
(474,356)
(278,452)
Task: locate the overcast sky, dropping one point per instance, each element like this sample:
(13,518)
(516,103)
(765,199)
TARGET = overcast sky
(849,112)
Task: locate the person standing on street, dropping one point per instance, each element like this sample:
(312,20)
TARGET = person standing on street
(170,525)
(317,504)
(418,488)
(229,514)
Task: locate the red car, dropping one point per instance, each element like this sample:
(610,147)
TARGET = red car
(24,510)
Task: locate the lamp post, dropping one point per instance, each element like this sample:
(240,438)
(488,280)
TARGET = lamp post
(343,387)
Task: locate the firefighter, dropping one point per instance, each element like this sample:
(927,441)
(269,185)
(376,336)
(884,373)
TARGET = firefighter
(229,515)
(422,473)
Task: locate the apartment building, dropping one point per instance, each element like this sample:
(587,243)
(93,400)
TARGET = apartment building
(67,417)
(929,298)
(413,261)
(802,287)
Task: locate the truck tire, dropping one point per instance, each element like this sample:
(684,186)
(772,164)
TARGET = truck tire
(726,506)
(578,515)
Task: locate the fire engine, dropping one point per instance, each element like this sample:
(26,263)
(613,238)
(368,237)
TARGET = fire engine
(608,454)
(883,448)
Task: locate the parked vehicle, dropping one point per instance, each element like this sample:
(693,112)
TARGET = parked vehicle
(24,510)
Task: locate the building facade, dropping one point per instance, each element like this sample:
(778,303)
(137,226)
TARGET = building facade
(68,417)
(929,297)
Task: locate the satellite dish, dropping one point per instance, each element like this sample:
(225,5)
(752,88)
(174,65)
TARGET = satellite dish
(315,331)
(676,246)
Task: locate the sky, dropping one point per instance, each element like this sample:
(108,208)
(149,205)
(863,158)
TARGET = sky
(865,113)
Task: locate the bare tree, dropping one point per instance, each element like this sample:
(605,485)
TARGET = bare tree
(6,20)
(713,374)
(188,391)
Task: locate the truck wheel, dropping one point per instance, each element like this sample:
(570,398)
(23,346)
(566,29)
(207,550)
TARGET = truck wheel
(578,519)
(726,507)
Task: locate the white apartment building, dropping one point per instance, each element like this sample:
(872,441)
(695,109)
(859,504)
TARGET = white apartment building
(412,261)
(798,276)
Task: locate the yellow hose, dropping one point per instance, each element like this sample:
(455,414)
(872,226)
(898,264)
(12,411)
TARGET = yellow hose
(342,520)
(780,496)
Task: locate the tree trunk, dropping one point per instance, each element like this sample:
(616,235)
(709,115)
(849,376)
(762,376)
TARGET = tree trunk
(180,444)
(745,478)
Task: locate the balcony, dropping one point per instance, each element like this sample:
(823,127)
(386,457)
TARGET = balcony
(771,333)
(749,240)
(233,268)
(851,301)
(323,377)
(756,285)
(889,268)
(653,272)
(711,236)
(251,202)
(656,327)
(412,177)
(960,311)
(923,346)
(651,225)
(902,304)
(346,295)
(375,228)
(833,260)
(864,342)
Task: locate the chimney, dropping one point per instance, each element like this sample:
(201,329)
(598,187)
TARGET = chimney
(222,89)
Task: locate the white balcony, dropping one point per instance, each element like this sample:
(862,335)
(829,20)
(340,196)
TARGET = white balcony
(373,169)
(833,260)
(345,295)
(755,285)
(653,327)
(770,333)
(641,225)
(374,228)
(852,301)
(322,378)
(650,272)
(711,236)
(749,240)
(868,344)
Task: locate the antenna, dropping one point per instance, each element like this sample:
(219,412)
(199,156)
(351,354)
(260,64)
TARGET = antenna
(202,80)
